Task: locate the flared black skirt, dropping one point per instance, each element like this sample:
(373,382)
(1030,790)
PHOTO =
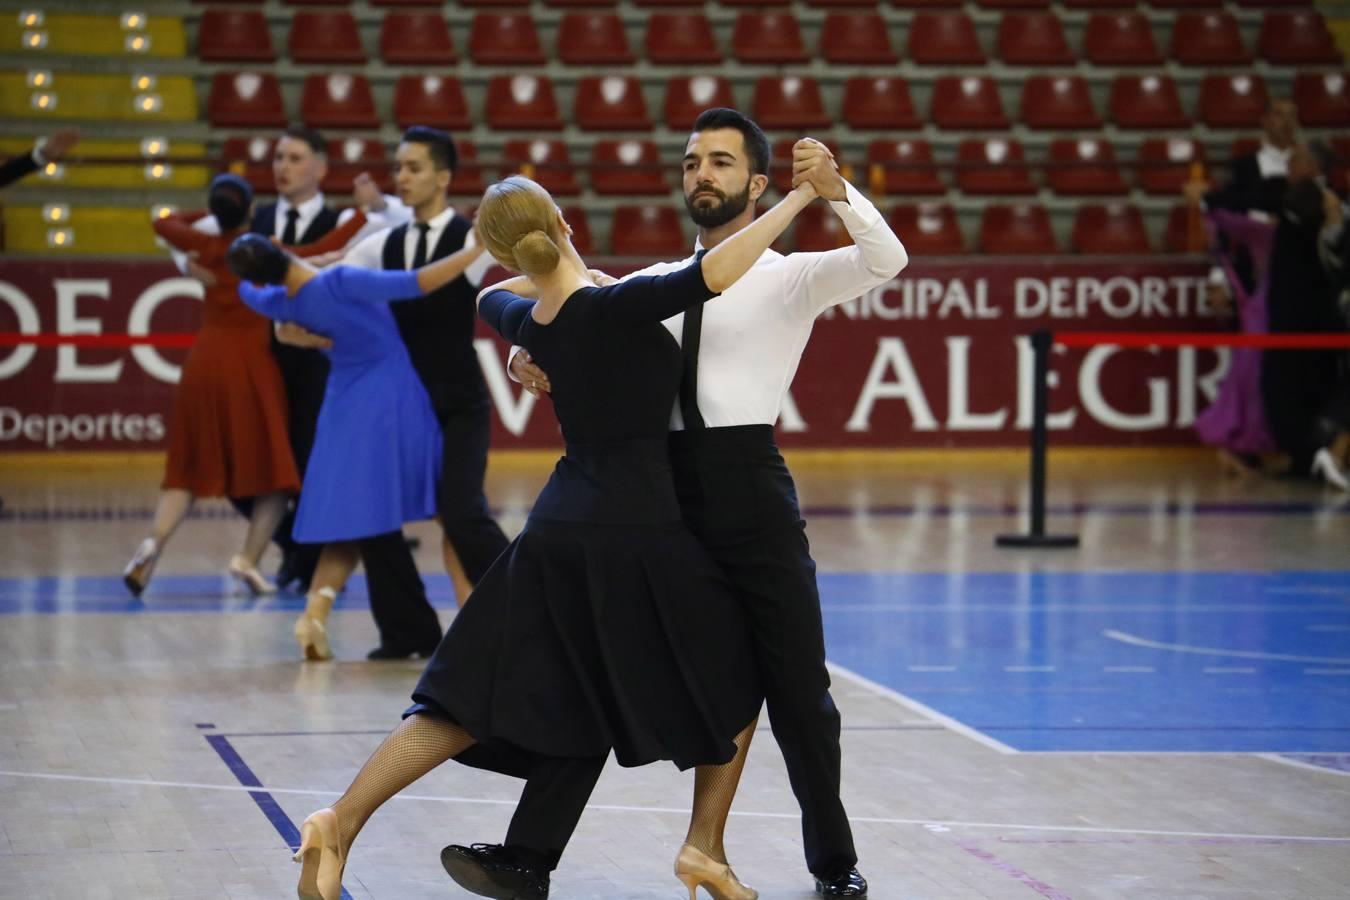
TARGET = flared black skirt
(584,638)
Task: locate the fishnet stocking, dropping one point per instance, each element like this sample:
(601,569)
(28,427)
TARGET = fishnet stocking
(419,744)
(714,789)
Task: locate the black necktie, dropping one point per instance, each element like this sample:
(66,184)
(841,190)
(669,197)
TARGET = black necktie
(420,254)
(689,338)
(288,235)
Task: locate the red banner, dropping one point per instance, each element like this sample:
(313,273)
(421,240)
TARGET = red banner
(939,357)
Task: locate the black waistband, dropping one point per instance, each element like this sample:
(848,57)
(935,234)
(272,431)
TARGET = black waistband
(737,439)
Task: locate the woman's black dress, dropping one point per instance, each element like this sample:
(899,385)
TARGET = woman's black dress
(605,624)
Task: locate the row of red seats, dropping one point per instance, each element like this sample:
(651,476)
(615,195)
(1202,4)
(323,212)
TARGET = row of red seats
(984,167)
(1024,228)
(903,4)
(617,103)
(935,38)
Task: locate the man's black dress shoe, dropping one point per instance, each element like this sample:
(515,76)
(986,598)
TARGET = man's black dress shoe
(491,870)
(289,570)
(384,651)
(850,884)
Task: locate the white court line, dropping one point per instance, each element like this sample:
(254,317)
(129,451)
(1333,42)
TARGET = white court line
(1299,764)
(795,815)
(1228,670)
(1218,651)
(923,710)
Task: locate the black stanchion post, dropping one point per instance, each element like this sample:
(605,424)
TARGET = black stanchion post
(1041,342)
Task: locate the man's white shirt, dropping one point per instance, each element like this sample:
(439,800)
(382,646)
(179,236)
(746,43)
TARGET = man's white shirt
(753,334)
(369,253)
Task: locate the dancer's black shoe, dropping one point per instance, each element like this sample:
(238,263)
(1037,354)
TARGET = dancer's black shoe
(850,884)
(491,870)
(289,570)
(386,652)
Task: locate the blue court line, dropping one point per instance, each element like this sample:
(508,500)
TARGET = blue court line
(266,802)
(901,510)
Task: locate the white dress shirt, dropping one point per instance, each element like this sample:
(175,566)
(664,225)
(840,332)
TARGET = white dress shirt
(369,253)
(1272,161)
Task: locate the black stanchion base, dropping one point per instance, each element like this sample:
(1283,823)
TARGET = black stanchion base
(1051,541)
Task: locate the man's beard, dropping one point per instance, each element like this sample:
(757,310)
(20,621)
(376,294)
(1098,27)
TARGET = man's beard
(722,213)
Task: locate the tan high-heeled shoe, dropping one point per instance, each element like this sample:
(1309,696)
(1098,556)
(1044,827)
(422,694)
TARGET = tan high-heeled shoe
(136,575)
(322,857)
(249,578)
(695,868)
(313,638)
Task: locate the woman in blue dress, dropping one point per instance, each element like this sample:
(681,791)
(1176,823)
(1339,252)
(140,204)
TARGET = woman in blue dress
(605,625)
(377,447)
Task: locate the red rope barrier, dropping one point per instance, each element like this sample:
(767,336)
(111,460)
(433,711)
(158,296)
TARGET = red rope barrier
(1288,341)
(47,339)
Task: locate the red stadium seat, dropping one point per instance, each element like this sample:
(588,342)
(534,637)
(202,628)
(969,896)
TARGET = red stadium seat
(1033,39)
(325,37)
(517,102)
(317,2)
(502,39)
(1058,101)
(610,103)
(1322,99)
(628,167)
(431,100)
(1263,4)
(780,166)
(1023,230)
(405,2)
(1099,4)
(234,35)
(1243,146)
(944,39)
(686,97)
(1233,101)
(1186,4)
(927,4)
(251,157)
(1165,164)
(756,2)
(648,231)
(1013,4)
(338,100)
(582,240)
(767,37)
(246,99)
(963,102)
(698,3)
(590,4)
(818,229)
(1120,39)
(929,229)
(1146,101)
(680,38)
(349,158)
(789,102)
(416,38)
(1089,168)
(593,39)
(885,160)
(843,4)
(856,39)
(468,180)
(871,103)
(1113,229)
(993,167)
(1297,38)
(1208,39)
(491,3)
(1184,233)
(546,161)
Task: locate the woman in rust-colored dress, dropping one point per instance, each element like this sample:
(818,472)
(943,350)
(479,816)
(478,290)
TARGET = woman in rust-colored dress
(227,434)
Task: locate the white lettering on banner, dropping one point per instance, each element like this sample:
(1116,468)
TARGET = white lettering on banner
(138,323)
(29,323)
(959,416)
(1026,375)
(1119,297)
(1089,390)
(891,357)
(68,321)
(55,428)
(514,412)
(917,297)
(789,417)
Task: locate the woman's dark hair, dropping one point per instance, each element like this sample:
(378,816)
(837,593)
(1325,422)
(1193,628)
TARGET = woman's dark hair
(229,199)
(756,144)
(257,259)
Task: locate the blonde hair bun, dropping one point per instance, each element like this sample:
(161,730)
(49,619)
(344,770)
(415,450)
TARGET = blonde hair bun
(517,222)
(536,253)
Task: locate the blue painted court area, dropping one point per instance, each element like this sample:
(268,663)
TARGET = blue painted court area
(1174,661)
(1177,661)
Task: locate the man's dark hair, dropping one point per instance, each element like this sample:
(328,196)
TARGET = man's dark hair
(439,144)
(756,144)
(257,259)
(316,141)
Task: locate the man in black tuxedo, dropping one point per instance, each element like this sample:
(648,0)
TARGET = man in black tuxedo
(45,151)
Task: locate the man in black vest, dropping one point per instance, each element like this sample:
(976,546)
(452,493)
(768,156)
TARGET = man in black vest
(438,331)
